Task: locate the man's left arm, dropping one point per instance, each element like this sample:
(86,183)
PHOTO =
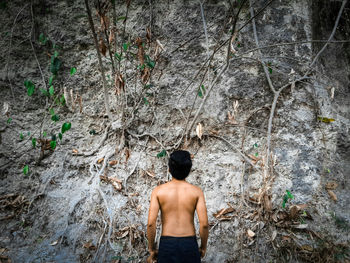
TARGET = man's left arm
(152,223)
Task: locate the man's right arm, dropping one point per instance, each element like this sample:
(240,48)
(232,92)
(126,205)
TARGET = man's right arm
(203,223)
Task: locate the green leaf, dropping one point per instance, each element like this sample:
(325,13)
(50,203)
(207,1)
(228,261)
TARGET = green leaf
(325,120)
(270,70)
(255,145)
(55,54)
(21,136)
(44,92)
(290,196)
(92,132)
(256,154)
(55,118)
(34,142)
(44,134)
(126,46)
(149,62)
(62,100)
(53,137)
(51,91)
(55,64)
(51,79)
(121,18)
(73,71)
(28,133)
(60,136)
(65,127)
(52,111)
(53,145)
(145,101)
(42,39)
(161,154)
(141,67)
(201,91)
(25,169)
(30,87)
(118,56)
(285,199)
(9,120)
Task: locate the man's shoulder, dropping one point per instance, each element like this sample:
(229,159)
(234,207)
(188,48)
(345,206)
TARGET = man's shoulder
(160,187)
(165,187)
(195,187)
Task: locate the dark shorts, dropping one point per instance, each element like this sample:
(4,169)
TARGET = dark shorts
(178,250)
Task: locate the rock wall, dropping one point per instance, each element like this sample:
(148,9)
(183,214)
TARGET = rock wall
(70,211)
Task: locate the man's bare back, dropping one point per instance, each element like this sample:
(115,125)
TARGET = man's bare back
(178,200)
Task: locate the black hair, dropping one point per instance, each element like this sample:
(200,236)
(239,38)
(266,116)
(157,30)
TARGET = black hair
(180,164)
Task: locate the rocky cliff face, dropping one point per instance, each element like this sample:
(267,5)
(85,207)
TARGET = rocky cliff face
(88,199)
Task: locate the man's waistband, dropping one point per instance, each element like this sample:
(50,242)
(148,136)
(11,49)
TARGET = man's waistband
(172,237)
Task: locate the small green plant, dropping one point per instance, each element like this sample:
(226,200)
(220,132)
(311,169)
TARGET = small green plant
(126,46)
(43,39)
(286,197)
(25,169)
(54,100)
(34,142)
(145,101)
(118,56)
(161,154)
(30,87)
(269,64)
(55,63)
(73,71)
(149,62)
(255,145)
(201,91)
(121,18)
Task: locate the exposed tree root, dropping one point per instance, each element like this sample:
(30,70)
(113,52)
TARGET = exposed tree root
(103,139)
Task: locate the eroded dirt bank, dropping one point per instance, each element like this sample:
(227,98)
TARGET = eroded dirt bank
(87,200)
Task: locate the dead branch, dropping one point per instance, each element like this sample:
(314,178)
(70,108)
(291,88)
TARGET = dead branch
(149,135)
(131,172)
(104,27)
(206,36)
(294,43)
(124,27)
(36,58)
(245,158)
(104,82)
(331,35)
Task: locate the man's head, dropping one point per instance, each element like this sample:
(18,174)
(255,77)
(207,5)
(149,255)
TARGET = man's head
(180,164)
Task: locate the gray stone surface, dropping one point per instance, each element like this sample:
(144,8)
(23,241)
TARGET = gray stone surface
(73,211)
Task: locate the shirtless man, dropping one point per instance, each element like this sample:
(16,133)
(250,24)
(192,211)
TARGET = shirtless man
(177,201)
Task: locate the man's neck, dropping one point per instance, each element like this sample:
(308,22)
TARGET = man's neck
(177,181)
